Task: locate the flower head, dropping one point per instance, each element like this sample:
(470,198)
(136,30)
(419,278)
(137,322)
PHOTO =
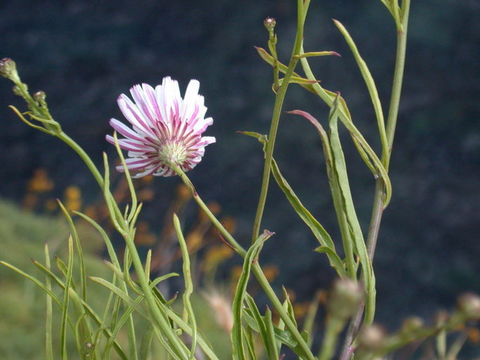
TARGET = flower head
(8,69)
(166,128)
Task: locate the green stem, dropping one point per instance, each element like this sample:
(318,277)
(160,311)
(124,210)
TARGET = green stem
(83,155)
(377,208)
(177,346)
(227,236)
(257,270)
(277,109)
(276,303)
(333,328)
(397,77)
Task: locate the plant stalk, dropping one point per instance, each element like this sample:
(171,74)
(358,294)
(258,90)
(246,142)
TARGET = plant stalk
(277,109)
(377,208)
(257,270)
(177,347)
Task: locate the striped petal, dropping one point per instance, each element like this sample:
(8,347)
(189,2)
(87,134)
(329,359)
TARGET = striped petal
(165,128)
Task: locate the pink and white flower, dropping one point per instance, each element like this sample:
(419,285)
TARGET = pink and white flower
(166,128)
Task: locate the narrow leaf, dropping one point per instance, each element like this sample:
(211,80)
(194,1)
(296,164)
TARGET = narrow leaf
(240,293)
(189,315)
(49,310)
(78,247)
(318,53)
(350,213)
(66,301)
(370,83)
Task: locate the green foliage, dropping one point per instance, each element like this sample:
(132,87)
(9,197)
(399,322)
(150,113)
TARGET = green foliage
(22,304)
(118,310)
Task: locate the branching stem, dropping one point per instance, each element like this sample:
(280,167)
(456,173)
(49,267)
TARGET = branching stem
(377,208)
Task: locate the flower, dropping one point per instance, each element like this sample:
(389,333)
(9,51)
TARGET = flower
(166,128)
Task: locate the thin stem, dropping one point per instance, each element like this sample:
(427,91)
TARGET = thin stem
(333,328)
(177,346)
(83,155)
(161,320)
(397,78)
(263,281)
(277,109)
(377,208)
(228,237)
(257,270)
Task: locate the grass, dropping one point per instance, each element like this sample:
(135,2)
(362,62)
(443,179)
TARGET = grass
(22,304)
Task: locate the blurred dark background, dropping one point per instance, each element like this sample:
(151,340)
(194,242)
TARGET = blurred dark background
(84,53)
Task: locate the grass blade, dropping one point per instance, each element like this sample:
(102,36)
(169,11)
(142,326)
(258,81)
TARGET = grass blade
(240,294)
(188,313)
(78,247)
(66,301)
(49,310)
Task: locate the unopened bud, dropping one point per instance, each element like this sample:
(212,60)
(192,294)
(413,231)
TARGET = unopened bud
(269,23)
(40,96)
(469,304)
(371,337)
(346,296)
(8,69)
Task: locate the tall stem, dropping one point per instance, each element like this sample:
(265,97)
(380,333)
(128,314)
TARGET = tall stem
(162,321)
(277,109)
(377,208)
(176,345)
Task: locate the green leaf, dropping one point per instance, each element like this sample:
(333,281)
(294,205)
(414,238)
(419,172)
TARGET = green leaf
(87,308)
(348,208)
(49,310)
(287,304)
(270,340)
(146,344)
(366,152)
(78,247)
(240,293)
(131,188)
(317,229)
(264,55)
(335,260)
(309,321)
(116,267)
(121,323)
(251,315)
(317,53)
(370,83)
(264,327)
(250,343)
(188,313)
(66,301)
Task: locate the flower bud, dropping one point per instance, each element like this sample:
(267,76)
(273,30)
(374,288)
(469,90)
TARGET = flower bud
(8,69)
(371,337)
(469,304)
(345,298)
(40,96)
(411,324)
(269,23)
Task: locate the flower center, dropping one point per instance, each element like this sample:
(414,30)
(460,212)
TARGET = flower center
(173,152)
